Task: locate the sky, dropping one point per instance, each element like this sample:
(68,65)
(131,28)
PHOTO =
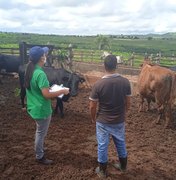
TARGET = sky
(88,17)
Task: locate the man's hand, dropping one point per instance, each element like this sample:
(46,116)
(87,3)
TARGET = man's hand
(93,110)
(93,120)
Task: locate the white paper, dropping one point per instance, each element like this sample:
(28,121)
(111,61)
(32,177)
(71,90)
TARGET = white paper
(56,87)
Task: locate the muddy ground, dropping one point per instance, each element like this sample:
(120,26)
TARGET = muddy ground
(72,145)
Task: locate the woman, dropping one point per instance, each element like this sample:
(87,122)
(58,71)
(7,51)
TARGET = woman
(38,99)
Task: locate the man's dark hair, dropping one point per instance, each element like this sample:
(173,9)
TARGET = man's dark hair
(110,62)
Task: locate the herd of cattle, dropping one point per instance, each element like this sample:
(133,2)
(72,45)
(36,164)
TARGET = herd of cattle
(155,83)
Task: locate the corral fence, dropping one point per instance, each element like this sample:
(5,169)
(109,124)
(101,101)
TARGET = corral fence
(9,51)
(89,56)
(128,59)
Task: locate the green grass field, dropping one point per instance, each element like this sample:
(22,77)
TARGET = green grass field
(86,48)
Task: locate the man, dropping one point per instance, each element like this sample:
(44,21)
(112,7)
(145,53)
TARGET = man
(112,95)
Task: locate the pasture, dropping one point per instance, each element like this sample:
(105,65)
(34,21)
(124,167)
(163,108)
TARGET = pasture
(71,142)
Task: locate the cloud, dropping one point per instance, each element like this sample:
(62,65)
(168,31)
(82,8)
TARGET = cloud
(88,17)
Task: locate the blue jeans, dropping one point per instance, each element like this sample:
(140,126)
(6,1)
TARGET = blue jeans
(103,133)
(41,131)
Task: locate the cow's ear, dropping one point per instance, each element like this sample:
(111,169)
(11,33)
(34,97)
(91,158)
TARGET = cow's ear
(65,78)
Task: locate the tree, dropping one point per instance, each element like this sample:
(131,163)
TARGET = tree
(150,38)
(102,42)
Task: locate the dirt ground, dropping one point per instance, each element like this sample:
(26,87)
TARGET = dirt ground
(71,143)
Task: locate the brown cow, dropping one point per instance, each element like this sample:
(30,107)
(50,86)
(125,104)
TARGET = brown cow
(157,84)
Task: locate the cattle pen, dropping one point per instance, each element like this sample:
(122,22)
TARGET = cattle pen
(80,62)
(83,60)
(71,141)
(89,63)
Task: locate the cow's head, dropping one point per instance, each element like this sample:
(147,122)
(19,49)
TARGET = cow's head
(146,61)
(72,80)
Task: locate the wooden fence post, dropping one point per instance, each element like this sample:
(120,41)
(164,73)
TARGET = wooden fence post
(23,52)
(81,56)
(92,55)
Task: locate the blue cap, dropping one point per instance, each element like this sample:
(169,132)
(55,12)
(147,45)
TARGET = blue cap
(46,50)
(35,53)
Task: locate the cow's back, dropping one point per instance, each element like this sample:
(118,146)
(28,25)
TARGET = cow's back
(156,81)
(56,76)
(161,83)
(144,80)
(10,63)
(51,75)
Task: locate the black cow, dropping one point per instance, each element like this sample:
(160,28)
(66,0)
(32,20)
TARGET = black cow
(55,76)
(173,68)
(9,63)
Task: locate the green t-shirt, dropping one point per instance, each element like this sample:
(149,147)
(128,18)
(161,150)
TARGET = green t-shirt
(37,105)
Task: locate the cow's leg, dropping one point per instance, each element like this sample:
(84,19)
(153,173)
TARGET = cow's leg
(22,96)
(148,104)
(56,107)
(160,113)
(141,106)
(168,116)
(160,106)
(61,107)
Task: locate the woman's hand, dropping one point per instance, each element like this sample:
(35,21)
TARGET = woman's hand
(66,91)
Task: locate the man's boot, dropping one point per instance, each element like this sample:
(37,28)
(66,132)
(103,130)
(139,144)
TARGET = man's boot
(44,161)
(122,166)
(101,170)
